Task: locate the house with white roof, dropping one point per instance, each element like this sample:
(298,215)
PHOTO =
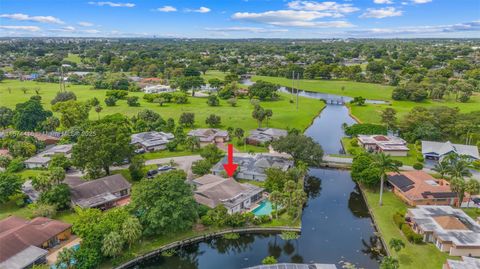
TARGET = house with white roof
(261,136)
(464,263)
(42,159)
(437,150)
(450,230)
(252,167)
(157,89)
(390,145)
(151,141)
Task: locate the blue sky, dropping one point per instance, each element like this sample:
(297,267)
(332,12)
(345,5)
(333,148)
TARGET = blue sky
(241,18)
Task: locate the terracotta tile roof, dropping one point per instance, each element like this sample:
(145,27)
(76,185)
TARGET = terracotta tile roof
(418,185)
(450,223)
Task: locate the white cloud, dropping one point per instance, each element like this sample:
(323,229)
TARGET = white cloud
(381,13)
(428,30)
(85,24)
(298,18)
(322,6)
(25,17)
(383,1)
(166,9)
(199,10)
(421,1)
(20,28)
(112,4)
(247,29)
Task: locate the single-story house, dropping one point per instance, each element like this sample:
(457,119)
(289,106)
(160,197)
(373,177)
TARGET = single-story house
(390,145)
(437,150)
(213,190)
(151,141)
(450,230)
(419,188)
(103,193)
(24,243)
(210,135)
(464,263)
(252,167)
(37,162)
(265,135)
(42,159)
(50,138)
(157,89)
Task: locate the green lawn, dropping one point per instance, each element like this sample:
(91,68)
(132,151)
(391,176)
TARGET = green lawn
(371,113)
(474,213)
(424,256)
(410,159)
(73,58)
(351,88)
(284,113)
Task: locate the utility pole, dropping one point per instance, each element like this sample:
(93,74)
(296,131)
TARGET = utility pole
(293,84)
(298,86)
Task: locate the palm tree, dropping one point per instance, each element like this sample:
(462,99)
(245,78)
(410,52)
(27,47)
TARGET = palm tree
(442,167)
(132,230)
(276,198)
(112,244)
(458,185)
(389,263)
(192,142)
(302,167)
(396,244)
(268,114)
(472,188)
(459,166)
(385,164)
(98,109)
(65,258)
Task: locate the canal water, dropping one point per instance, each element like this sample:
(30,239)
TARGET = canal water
(336,225)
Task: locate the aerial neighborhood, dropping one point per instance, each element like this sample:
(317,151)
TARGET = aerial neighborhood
(282,149)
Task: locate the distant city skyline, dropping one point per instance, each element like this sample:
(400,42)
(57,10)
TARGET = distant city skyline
(241,18)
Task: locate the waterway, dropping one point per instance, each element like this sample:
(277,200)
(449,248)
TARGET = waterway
(336,225)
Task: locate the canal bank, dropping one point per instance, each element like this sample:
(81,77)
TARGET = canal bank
(336,224)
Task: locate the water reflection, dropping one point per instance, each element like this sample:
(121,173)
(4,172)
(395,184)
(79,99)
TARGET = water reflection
(336,227)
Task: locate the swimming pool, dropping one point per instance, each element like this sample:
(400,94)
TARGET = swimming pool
(264,208)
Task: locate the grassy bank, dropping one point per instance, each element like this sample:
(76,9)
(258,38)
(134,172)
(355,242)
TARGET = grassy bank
(285,114)
(370,113)
(413,256)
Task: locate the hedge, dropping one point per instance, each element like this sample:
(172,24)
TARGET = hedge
(411,235)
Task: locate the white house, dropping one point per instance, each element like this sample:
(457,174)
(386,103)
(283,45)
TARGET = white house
(151,141)
(390,145)
(157,89)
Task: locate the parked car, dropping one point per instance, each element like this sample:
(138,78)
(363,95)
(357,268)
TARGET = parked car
(165,168)
(152,173)
(139,151)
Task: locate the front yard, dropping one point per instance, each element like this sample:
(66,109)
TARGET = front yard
(413,256)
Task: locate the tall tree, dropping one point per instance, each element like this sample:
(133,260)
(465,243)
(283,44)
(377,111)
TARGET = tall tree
(389,118)
(29,115)
(10,184)
(301,147)
(472,187)
(131,230)
(164,204)
(384,163)
(112,244)
(259,114)
(6,117)
(102,144)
